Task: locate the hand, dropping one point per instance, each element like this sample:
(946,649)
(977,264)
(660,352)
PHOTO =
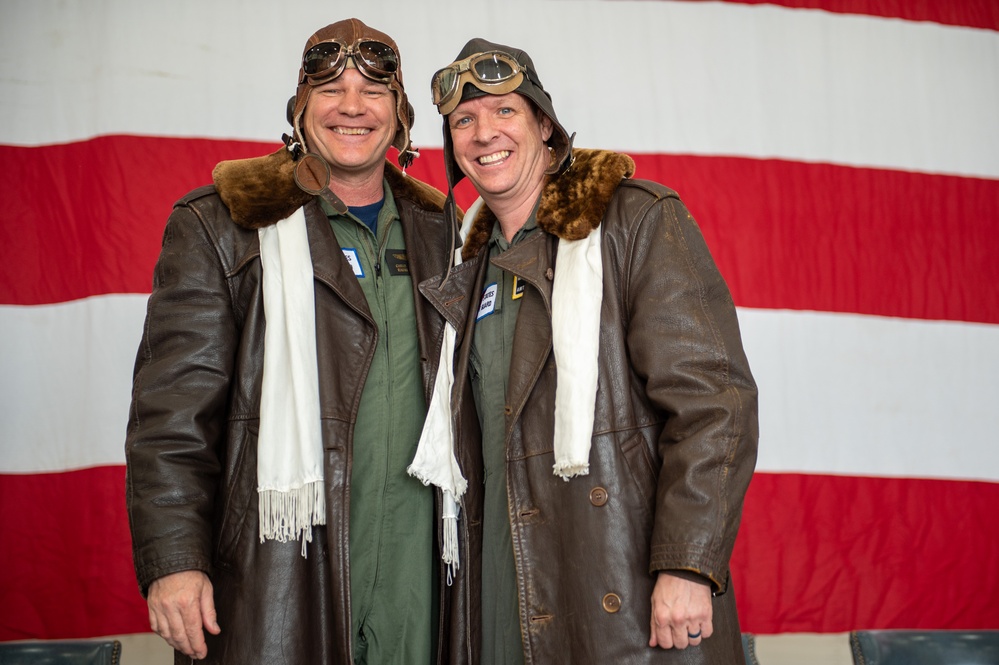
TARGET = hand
(179,605)
(680,608)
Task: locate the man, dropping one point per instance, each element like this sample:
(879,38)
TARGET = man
(281,386)
(617,407)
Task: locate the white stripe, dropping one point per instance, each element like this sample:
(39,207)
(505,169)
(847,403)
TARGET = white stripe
(839,394)
(674,77)
(67,373)
(873,396)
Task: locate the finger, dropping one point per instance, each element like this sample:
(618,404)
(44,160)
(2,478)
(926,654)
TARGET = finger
(208,612)
(707,628)
(172,630)
(653,637)
(661,634)
(680,639)
(694,635)
(194,636)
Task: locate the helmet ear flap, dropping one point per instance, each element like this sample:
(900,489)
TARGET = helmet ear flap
(410,113)
(290,113)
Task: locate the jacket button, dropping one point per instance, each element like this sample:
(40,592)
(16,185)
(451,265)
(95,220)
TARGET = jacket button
(611,603)
(598,496)
(550,274)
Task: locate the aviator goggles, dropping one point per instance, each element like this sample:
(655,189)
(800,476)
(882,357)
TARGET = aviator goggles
(324,61)
(493,72)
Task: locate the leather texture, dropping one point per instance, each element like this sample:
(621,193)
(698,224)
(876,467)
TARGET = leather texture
(191,442)
(674,435)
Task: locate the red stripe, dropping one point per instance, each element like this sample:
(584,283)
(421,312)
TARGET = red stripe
(66,558)
(815,554)
(86,218)
(832,554)
(792,235)
(787,235)
(968,13)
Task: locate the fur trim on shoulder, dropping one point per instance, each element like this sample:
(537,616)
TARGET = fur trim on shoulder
(259,191)
(572,204)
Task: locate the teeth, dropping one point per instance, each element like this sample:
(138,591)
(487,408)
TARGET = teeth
(495,157)
(351,131)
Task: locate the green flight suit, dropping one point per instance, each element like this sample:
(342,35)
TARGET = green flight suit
(392,566)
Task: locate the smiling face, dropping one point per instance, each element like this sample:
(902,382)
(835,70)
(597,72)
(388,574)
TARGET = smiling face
(351,122)
(499,143)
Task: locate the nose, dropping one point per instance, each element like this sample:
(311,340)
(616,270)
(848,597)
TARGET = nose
(352,103)
(485,129)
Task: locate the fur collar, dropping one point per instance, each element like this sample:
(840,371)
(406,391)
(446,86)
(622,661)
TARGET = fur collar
(572,204)
(261,191)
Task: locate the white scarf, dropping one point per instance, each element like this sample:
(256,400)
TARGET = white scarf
(435,462)
(577,294)
(289,448)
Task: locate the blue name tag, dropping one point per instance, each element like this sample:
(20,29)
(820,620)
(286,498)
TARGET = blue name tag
(354,260)
(488,304)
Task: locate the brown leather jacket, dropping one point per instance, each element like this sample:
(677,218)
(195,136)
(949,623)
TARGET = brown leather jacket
(674,438)
(192,431)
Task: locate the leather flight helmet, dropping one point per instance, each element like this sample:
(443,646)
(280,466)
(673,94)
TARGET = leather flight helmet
(348,33)
(530,87)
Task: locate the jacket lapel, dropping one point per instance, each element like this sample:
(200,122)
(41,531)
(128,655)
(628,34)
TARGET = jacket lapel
(532,341)
(456,300)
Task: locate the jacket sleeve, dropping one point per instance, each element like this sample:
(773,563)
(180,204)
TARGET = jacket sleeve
(683,339)
(177,418)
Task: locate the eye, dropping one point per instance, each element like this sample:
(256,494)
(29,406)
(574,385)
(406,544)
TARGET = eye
(460,122)
(506,110)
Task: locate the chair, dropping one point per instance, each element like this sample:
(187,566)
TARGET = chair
(61,652)
(925,647)
(749,648)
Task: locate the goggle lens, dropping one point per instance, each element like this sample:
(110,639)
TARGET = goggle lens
(378,57)
(321,58)
(492,69)
(445,82)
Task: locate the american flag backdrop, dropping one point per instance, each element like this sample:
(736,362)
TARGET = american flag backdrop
(841,157)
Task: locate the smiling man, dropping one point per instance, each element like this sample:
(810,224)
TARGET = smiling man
(616,404)
(280,385)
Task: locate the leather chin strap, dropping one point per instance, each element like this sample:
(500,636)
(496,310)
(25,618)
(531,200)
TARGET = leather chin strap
(312,175)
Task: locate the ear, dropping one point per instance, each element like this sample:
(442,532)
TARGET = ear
(546,127)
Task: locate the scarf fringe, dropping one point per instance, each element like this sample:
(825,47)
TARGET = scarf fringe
(434,462)
(290,515)
(565,469)
(449,524)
